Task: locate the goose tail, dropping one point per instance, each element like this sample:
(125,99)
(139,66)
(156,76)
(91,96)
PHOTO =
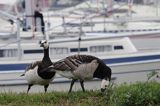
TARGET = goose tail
(22,75)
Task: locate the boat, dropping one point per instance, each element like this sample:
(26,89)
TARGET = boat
(86,19)
(118,53)
(129,60)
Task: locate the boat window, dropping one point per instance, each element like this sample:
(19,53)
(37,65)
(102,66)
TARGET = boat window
(58,51)
(1,53)
(77,49)
(102,48)
(8,53)
(118,47)
(107,48)
(33,51)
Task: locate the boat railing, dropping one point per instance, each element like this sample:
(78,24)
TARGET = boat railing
(72,26)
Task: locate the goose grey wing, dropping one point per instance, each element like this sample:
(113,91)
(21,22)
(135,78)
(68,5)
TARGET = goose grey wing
(80,59)
(32,65)
(67,64)
(61,65)
(72,62)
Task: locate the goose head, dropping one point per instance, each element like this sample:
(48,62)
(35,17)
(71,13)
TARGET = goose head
(44,44)
(104,85)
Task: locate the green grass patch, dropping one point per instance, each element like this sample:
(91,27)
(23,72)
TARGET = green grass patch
(51,99)
(138,94)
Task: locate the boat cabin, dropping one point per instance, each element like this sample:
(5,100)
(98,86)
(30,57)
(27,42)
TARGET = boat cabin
(62,48)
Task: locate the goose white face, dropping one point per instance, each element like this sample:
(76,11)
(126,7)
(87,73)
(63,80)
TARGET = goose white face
(104,84)
(44,44)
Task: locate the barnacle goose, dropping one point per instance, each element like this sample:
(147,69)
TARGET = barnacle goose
(83,67)
(39,72)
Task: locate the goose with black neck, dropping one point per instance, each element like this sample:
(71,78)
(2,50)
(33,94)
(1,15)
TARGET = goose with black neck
(83,67)
(40,72)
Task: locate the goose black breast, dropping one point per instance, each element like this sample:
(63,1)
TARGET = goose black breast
(102,70)
(44,71)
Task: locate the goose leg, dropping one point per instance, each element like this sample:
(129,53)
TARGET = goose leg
(82,85)
(29,87)
(72,83)
(45,88)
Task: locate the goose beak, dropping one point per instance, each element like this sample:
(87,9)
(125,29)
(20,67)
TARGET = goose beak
(40,43)
(22,75)
(103,89)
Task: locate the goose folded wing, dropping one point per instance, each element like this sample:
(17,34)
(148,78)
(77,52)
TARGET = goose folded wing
(83,58)
(71,63)
(67,64)
(33,65)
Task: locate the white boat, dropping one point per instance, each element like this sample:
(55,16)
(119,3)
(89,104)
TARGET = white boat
(118,53)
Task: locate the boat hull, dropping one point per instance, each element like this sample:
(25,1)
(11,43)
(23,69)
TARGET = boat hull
(126,73)
(132,70)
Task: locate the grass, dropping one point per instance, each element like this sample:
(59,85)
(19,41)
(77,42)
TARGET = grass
(53,98)
(138,94)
